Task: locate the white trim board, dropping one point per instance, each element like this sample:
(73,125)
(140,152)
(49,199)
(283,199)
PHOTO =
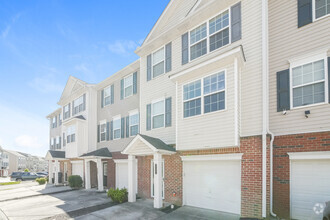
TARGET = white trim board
(213,157)
(309,155)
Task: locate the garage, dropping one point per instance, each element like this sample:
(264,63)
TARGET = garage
(78,168)
(122,173)
(213,182)
(310,186)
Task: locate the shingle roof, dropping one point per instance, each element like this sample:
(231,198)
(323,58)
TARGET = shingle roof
(103,152)
(57,154)
(157,143)
(80,117)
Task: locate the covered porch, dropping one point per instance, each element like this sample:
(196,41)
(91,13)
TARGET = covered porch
(143,145)
(54,158)
(95,168)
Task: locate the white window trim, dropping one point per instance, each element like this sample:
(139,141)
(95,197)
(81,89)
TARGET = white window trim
(80,99)
(108,87)
(303,61)
(202,95)
(118,117)
(103,122)
(314,13)
(131,113)
(152,65)
(208,34)
(153,102)
(130,75)
(309,155)
(152,178)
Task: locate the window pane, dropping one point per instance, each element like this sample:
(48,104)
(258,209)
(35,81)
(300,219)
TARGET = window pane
(192,108)
(116,124)
(128,91)
(116,134)
(219,22)
(308,73)
(158,121)
(307,95)
(220,39)
(158,69)
(158,56)
(322,8)
(134,130)
(214,102)
(107,100)
(198,34)
(198,50)
(192,90)
(107,91)
(134,119)
(297,76)
(158,108)
(213,83)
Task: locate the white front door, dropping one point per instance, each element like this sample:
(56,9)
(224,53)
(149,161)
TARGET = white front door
(78,169)
(213,185)
(310,188)
(122,175)
(152,178)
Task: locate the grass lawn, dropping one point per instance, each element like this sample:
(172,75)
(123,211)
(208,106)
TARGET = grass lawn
(9,183)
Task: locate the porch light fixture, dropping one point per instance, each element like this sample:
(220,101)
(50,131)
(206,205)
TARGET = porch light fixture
(308,112)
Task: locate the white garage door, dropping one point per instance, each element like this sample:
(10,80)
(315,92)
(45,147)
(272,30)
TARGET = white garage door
(310,188)
(78,169)
(121,175)
(213,185)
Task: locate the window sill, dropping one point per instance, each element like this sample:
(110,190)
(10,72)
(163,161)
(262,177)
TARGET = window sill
(308,106)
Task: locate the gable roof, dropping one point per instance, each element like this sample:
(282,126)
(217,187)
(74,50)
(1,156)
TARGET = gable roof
(103,152)
(55,154)
(157,143)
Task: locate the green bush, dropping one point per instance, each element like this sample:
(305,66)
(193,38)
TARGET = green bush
(75,181)
(41,181)
(118,195)
(26,170)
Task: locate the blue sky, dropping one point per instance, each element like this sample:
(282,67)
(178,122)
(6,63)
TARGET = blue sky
(42,43)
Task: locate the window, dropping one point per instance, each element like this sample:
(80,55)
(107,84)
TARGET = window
(198,42)
(71,136)
(57,142)
(78,105)
(213,91)
(219,31)
(321,8)
(54,122)
(103,130)
(128,85)
(116,128)
(192,99)
(66,111)
(107,96)
(134,124)
(158,62)
(308,83)
(60,119)
(158,114)
(52,143)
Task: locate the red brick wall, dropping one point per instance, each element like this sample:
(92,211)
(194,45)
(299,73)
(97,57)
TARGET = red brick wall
(292,143)
(144,181)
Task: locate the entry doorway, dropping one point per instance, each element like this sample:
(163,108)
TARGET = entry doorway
(105,174)
(152,178)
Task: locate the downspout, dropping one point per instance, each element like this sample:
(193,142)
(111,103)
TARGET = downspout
(266,130)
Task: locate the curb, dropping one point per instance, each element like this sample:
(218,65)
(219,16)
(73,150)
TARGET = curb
(43,194)
(3,216)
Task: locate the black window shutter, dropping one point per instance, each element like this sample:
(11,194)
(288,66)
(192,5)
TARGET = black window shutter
(69,107)
(73,111)
(283,90)
(64,142)
(98,133)
(84,102)
(305,13)
(108,131)
(185,51)
(102,98)
(329,78)
(55,121)
(111,130)
(135,83)
(112,94)
(236,24)
(122,89)
(168,57)
(63,114)
(149,67)
(148,117)
(60,140)
(127,126)
(122,129)
(168,112)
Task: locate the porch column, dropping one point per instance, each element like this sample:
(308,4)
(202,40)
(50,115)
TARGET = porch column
(50,171)
(131,178)
(87,175)
(99,174)
(158,181)
(56,172)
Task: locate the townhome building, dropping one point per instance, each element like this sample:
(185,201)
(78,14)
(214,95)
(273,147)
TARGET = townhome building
(17,161)
(4,162)
(299,51)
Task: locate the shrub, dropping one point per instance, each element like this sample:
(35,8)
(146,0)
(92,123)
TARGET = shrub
(75,181)
(26,170)
(41,181)
(118,195)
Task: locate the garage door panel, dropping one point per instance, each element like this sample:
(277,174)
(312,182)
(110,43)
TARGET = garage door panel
(78,169)
(122,175)
(213,185)
(310,181)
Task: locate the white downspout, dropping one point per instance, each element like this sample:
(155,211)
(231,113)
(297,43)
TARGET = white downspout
(265,70)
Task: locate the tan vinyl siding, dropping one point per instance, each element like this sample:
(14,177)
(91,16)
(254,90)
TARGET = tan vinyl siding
(287,42)
(120,107)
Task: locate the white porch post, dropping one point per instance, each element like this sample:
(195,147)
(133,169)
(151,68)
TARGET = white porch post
(158,180)
(87,175)
(56,171)
(50,171)
(99,174)
(131,178)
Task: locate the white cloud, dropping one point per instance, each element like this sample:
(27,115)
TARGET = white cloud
(123,47)
(27,141)
(46,84)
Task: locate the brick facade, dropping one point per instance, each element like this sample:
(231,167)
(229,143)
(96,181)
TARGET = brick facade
(292,143)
